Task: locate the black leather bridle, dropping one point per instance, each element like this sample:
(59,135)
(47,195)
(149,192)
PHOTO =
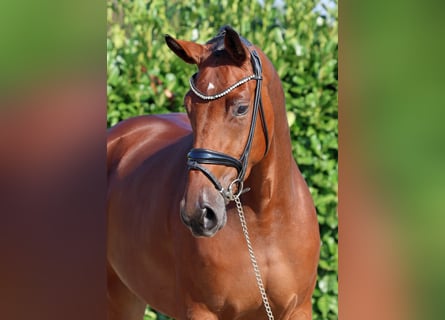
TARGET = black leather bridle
(198,156)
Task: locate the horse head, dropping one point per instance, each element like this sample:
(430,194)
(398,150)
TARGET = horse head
(227,96)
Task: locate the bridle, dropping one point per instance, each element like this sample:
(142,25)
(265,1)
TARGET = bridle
(198,156)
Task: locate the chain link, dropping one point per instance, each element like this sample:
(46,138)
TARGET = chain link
(256,269)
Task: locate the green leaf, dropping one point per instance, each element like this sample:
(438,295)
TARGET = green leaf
(323,305)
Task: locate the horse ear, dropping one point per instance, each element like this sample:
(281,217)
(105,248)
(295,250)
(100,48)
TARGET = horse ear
(234,46)
(188,51)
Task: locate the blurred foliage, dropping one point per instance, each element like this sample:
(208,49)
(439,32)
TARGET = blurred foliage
(43,39)
(301,40)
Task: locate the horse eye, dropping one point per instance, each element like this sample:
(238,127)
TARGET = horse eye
(241,110)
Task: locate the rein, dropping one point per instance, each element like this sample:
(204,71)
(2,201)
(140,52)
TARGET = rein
(198,156)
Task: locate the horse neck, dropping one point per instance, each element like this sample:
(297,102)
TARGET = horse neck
(271,179)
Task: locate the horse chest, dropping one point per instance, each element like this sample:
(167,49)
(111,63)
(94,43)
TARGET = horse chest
(227,281)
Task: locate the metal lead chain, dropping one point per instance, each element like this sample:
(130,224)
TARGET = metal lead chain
(256,269)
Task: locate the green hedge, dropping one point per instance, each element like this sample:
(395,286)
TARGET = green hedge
(145,77)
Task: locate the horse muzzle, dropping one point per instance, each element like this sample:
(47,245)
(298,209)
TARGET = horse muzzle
(205,216)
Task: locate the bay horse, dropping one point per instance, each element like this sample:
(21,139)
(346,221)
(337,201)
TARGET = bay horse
(178,182)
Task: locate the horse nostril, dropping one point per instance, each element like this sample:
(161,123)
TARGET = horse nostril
(208,218)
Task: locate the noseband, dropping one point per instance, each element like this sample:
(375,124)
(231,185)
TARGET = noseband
(198,156)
